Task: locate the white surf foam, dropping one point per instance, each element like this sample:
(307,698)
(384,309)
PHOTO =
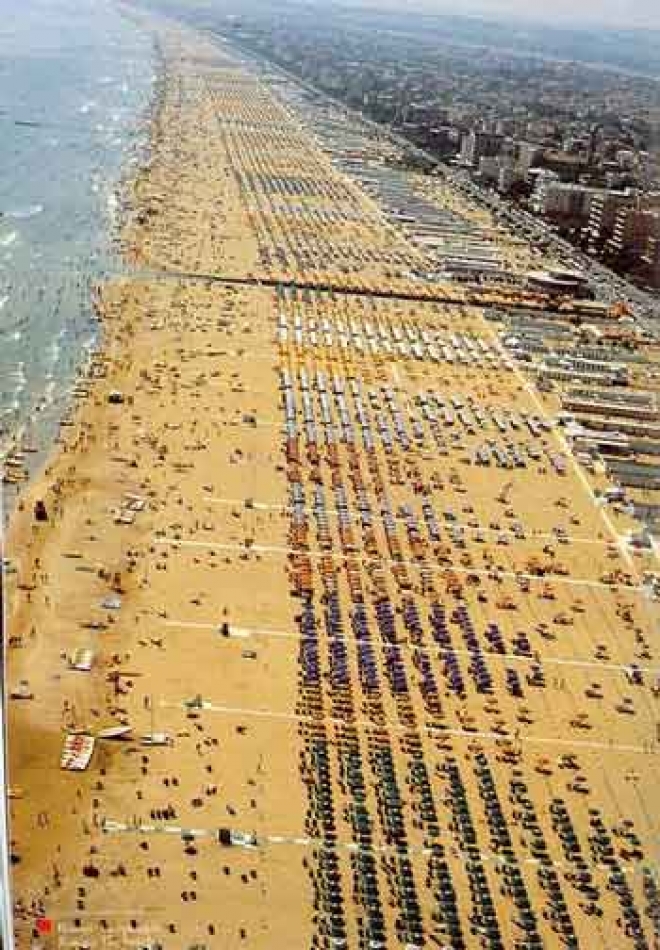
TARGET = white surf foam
(30,211)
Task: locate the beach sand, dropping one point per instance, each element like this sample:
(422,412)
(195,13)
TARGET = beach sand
(176,501)
(181,461)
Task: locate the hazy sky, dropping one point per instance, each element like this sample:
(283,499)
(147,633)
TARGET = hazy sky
(625,13)
(606,12)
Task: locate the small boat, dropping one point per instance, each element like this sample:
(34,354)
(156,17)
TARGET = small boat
(115,732)
(156,739)
(13,478)
(81,659)
(21,691)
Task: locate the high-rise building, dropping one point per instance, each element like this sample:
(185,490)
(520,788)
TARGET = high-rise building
(561,201)
(603,212)
(635,241)
(477,145)
(592,209)
(528,153)
(507,177)
(500,170)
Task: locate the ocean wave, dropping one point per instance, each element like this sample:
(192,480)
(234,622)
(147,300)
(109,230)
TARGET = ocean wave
(8,239)
(3,300)
(29,211)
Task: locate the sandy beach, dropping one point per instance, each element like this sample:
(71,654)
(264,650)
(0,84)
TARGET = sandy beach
(419,694)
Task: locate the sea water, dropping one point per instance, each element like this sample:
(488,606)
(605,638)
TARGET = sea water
(76,81)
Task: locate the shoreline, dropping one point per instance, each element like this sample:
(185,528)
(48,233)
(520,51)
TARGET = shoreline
(49,415)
